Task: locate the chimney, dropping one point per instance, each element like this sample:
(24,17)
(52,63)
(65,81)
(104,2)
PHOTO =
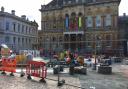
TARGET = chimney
(2,9)
(13,12)
(23,17)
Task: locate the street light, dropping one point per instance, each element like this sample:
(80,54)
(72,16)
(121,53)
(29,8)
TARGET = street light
(95,54)
(97,38)
(49,47)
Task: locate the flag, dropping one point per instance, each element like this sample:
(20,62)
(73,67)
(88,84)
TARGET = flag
(67,23)
(80,22)
(76,24)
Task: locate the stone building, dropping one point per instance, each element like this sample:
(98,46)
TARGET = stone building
(83,26)
(17,32)
(123,30)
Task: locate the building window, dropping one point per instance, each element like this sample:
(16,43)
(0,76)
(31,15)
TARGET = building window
(108,20)
(18,27)
(22,40)
(89,21)
(73,21)
(29,30)
(14,27)
(19,40)
(7,39)
(26,41)
(22,28)
(98,21)
(53,39)
(26,29)
(14,40)
(7,25)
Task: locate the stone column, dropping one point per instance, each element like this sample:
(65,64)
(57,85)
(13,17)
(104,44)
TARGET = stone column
(94,22)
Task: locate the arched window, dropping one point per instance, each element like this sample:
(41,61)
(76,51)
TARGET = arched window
(79,20)
(73,15)
(67,21)
(89,21)
(73,21)
(98,21)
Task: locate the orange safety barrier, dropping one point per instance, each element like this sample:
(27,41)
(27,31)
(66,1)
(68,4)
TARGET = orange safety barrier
(36,69)
(8,65)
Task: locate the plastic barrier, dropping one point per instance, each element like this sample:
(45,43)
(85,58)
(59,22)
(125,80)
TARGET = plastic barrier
(36,69)
(8,65)
(20,58)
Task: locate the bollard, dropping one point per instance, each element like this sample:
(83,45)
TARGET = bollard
(61,68)
(71,70)
(11,74)
(60,83)
(3,72)
(56,70)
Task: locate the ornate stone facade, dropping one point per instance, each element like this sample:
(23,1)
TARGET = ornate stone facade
(83,26)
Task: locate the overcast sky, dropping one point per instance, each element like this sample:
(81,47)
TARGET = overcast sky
(30,8)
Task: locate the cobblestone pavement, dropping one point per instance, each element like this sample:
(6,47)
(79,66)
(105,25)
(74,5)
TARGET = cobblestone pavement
(93,80)
(17,82)
(117,80)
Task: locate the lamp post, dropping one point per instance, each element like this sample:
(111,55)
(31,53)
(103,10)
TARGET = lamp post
(49,47)
(97,38)
(50,51)
(95,52)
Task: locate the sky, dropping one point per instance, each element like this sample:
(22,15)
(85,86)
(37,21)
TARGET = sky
(30,8)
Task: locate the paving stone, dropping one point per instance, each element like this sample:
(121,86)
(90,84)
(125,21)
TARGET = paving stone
(93,80)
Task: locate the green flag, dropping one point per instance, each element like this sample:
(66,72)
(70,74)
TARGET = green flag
(80,22)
